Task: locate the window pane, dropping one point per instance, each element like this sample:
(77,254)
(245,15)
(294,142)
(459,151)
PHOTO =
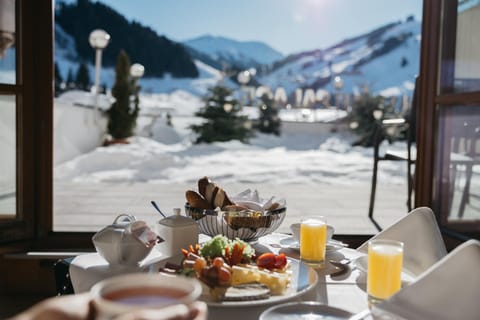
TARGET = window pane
(461,62)
(459,164)
(7,158)
(7,42)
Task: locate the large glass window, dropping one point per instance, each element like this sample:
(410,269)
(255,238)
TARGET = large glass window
(276,67)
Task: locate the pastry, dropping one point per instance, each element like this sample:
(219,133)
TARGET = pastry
(196,200)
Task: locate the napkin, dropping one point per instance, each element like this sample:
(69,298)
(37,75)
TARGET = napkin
(447,290)
(423,242)
(252,200)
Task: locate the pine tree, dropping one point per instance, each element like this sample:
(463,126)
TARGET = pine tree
(363,121)
(223,122)
(83,77)
(122,118)
(269,121)
(58,80)
(70,81)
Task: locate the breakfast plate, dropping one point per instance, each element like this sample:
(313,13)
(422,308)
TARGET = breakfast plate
(303,278)
(291,243)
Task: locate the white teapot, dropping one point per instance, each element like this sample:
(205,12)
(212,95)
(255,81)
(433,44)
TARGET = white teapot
(126,241)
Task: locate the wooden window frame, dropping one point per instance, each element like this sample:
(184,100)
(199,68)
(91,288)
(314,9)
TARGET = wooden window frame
(437,92)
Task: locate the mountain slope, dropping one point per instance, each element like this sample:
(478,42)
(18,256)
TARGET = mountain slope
(385,59)
(240,54)
(161,55)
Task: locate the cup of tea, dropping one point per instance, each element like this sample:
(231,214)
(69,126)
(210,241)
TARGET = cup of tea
(313,241)
(385,259)
(131,292)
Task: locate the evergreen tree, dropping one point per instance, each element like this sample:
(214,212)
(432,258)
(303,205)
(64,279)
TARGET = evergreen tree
(364,122)
(223,122)
(70,81)
(122,118)
(269,121)
(58,80)
(83,77)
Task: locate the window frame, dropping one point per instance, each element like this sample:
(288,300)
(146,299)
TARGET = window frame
(437,93)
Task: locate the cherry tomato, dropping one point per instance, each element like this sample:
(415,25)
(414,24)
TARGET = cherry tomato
(218,262)
(280,261)
(199,264)
(224,276)
(266,260)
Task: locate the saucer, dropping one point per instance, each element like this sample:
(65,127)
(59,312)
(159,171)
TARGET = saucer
(291,243)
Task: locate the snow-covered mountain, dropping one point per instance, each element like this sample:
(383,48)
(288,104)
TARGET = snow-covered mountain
(67,60)
(386,60)
(241,54)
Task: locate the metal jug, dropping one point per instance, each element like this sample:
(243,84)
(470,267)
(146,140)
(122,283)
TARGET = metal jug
(126,241)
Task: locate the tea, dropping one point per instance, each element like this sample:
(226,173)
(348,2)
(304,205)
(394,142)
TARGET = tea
(153,296)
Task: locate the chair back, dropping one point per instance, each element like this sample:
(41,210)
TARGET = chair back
(423,242)
(447,290)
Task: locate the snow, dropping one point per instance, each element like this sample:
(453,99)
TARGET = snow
(249,53)
(169,156)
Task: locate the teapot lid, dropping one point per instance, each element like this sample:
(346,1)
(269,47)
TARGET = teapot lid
(177,220)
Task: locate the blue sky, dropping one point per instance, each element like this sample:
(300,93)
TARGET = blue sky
(288,26)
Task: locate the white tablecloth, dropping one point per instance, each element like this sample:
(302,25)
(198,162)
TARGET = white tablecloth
(347,291)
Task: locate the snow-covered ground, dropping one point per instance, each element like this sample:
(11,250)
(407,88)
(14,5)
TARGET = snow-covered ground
(167,155)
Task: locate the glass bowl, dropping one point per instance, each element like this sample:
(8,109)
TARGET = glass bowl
(236,225)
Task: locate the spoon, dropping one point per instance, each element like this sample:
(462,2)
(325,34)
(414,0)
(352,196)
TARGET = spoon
(154,204)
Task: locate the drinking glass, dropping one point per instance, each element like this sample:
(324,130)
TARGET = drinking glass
(385,259)
(313,241)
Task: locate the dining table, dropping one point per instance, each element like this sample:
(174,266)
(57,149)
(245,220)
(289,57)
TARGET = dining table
(336,285)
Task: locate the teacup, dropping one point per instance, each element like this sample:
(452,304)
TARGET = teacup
(131,292)
(295,228)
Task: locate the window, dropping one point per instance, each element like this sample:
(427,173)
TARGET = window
(451,115)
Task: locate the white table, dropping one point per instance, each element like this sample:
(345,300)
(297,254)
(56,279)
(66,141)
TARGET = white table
(347,291)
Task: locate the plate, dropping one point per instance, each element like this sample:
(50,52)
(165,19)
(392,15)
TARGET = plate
(304,310)
(303,279)
(291,243)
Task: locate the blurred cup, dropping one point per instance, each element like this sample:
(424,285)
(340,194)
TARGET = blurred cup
(313,241)
(138,291)
(385,259)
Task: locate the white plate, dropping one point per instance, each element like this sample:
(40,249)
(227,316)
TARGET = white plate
(291,243)
(304,310)
(303,279)
(361,263)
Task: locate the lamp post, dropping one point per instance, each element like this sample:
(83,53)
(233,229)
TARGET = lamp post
(243,78)
(136,72)
(98,40)
(338,84)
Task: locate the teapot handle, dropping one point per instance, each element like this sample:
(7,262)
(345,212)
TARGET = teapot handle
(124,218)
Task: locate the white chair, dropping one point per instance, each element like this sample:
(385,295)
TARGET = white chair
(423,242)
(447,290)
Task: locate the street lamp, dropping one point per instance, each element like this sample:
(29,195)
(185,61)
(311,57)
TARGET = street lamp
(137,71)
(98,40)
(243,78)
(338,84)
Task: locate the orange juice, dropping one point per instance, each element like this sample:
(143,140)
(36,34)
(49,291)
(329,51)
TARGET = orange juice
(385,258)
(313,240)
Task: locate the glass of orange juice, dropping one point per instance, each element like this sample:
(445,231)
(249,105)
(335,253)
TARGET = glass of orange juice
(313,241)
(385,259)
